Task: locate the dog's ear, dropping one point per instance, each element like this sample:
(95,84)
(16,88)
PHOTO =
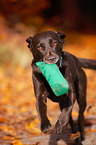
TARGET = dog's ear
(61,37)
(29,40)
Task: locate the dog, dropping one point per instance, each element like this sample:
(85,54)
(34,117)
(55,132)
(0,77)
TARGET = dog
(47,46)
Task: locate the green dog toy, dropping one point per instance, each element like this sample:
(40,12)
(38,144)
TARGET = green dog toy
(54,77)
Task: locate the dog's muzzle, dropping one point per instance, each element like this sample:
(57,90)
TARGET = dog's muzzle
(51,58)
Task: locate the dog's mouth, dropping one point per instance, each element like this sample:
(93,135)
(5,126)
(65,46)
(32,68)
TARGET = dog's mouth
(51,59)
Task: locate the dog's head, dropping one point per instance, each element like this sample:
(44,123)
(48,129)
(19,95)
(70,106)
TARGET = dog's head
(46,46)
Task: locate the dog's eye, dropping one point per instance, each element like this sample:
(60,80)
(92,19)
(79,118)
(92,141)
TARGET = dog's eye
(54,43)
(39,48)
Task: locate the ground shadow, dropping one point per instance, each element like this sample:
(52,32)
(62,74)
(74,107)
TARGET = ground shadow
(65,136)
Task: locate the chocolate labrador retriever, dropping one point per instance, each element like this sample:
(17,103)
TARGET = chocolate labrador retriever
(47,47)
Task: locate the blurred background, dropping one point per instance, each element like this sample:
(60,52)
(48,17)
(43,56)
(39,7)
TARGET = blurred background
(20,19)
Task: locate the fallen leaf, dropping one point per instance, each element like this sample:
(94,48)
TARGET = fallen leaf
(17,142)
(8,130)
(37,143)
(5,137)
(2,120)
(74,136)
(91,108)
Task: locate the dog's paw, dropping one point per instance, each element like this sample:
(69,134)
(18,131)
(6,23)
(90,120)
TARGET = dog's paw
(46,127)
(59,128)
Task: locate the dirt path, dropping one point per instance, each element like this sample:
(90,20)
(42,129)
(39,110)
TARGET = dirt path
(53,139)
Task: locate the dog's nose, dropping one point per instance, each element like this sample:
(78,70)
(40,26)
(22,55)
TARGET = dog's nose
(51,58)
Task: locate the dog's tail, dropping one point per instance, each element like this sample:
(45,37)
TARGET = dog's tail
(88,63)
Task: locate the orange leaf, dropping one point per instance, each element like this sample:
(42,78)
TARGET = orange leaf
(74,136)
(37,143)
(2,120)
(17,142)
(5,137)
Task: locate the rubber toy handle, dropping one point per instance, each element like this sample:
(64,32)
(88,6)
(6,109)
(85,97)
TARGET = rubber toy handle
(54,77)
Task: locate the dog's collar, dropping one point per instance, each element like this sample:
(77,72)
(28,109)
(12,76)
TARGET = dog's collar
(60,62)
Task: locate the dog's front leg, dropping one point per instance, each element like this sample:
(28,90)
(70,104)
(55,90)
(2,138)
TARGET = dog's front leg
(66,106)
(42,111)
(63,120)
(41,104)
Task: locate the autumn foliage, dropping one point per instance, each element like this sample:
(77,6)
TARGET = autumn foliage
(18,115)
